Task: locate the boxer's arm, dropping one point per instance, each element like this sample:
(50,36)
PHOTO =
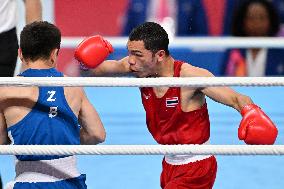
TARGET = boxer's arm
(227,96)
(4,139)
(111,68)
(255,127)
(33,10)
(92,130)
(224,95)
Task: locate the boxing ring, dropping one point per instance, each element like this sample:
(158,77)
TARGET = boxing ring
(123,116)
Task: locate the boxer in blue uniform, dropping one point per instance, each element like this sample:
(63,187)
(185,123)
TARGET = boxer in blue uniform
(46,116)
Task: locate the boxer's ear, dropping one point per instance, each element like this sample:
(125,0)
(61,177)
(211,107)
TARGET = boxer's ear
(20,54)
(161,54)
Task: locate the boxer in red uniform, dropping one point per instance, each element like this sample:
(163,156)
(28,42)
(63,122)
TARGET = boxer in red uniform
(176,115)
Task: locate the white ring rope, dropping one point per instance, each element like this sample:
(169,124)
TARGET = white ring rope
(142,149)
(196,42)
(142,82)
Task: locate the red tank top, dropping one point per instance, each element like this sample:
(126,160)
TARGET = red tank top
(167,123)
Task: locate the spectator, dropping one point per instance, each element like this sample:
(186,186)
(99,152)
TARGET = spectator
(186,16)
(8,35)
(255,18)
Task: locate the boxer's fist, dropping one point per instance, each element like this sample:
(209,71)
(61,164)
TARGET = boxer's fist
(256,127)
(92,51)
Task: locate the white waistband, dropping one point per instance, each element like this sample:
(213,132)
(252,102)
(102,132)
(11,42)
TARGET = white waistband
(185,159)
(46,170)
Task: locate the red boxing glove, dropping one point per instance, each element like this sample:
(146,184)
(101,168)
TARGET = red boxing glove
(92,51)
(256,127)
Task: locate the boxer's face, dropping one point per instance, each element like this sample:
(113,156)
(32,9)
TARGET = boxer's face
(142,62)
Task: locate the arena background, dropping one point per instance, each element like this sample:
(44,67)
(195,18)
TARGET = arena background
(124,118)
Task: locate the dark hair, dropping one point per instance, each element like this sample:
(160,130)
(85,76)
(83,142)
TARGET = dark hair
(240,14)
(153,35)
(38,39)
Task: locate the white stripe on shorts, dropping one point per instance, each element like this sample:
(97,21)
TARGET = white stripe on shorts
(185,159)
(46,170)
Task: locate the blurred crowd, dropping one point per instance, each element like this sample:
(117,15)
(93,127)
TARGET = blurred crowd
(200,17)
(241,18)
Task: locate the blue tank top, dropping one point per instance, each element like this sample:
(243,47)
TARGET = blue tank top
(50,122)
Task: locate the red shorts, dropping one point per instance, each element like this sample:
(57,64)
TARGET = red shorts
(197,175)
